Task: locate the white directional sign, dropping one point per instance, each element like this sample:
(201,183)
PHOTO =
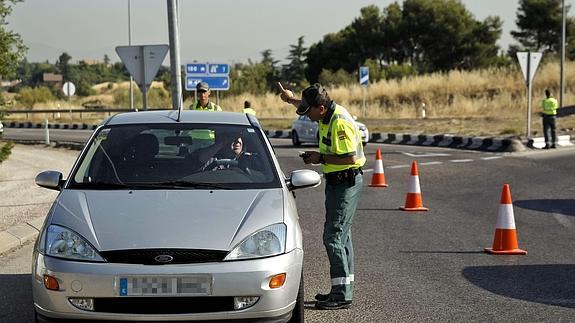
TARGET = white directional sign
(143,62)
(69,89)
(529,62)
(364,75)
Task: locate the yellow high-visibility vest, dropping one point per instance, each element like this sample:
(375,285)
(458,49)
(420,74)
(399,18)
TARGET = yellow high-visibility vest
(340,136)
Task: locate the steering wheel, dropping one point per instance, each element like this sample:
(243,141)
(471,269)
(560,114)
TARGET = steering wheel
(229,163)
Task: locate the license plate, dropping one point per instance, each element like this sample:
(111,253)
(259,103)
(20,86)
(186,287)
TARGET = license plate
(165,285)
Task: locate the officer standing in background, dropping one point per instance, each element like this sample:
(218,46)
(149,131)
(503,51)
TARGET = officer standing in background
(248,108)
(341,156)
(204,103)
(549,106)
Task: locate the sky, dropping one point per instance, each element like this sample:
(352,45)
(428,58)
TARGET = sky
(222,31)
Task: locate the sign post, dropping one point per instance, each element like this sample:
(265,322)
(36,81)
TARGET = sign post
(143,63)
(528,62)
(69,89)
(364,82)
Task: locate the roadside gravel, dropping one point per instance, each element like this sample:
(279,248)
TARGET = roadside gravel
(17,184)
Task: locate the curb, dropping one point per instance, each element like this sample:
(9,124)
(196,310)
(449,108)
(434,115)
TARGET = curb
(450,141)
(18,235)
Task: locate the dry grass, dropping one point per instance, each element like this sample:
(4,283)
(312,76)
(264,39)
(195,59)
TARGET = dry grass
(485,102)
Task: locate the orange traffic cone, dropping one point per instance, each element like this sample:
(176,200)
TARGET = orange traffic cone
(378,178)
(505,241)
(413,201)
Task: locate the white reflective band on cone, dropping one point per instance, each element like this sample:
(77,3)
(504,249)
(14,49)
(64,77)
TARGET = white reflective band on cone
(378,169)
(351,278)
(505,218)
(414,185)
(340,281)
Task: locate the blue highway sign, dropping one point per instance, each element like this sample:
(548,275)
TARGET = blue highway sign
(214,82)
(196,68)
(218,69)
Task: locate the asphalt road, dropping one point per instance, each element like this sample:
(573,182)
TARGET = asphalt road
(427,266)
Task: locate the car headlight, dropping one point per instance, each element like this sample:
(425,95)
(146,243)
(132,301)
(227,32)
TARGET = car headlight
(65,243)
(266,242)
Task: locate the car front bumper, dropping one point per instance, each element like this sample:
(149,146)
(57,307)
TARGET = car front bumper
(100,281)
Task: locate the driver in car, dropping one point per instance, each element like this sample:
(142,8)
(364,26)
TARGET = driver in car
(224,160)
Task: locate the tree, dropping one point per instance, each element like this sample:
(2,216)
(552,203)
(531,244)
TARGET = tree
(441,35)
(294,72)
(63,65)
(12,49)
(539,23)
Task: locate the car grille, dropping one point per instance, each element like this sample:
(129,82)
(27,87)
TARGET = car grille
(150,256)
(163,305)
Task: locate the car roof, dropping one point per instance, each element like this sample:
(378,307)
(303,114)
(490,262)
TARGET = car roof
(170,116)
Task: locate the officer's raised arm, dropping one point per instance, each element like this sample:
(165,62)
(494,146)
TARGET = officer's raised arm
(288,96)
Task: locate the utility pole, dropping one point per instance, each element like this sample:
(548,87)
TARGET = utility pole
(175,55)
(562,83)
(130,44)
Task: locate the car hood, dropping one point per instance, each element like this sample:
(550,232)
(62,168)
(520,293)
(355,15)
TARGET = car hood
(140,219)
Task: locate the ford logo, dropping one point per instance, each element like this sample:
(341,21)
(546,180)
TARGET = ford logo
(164,258)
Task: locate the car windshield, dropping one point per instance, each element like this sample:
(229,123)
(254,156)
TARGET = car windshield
(176,156)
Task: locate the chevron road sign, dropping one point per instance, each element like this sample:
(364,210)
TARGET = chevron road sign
(364,75)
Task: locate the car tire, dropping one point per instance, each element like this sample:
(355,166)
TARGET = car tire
(295,138)
(297,315)
(364,143)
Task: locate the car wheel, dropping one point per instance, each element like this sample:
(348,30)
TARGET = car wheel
(297,315)
(295,138)
(364,143)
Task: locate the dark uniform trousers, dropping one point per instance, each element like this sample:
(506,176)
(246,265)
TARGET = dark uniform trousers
(341,199)
(549,126)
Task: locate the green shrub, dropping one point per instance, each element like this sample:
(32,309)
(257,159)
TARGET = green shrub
(157,98)
(5,151)
(27,96)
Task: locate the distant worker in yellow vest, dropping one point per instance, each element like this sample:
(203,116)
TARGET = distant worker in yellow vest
(341,157)
(549,106)
(204,103)
(248,108)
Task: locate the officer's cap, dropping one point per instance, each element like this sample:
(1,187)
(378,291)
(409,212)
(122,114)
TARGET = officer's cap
(309,98)
(202,86)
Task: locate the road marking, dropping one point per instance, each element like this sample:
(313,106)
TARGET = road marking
(461,160)
(431,163)
(563,219)
(425,154)
(491,158)
(398,166)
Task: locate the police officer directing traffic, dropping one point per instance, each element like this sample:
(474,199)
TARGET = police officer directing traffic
(549,106)
(203,102)
(341,157)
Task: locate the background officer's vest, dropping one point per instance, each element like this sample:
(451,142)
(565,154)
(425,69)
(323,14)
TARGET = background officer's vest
(326,140)
(250,111)
(200,133)
(211,107)
(550,106)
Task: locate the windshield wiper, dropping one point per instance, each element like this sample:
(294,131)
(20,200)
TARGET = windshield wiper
(102,185)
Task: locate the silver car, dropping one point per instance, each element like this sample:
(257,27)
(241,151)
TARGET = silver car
(161,219)
(304,130)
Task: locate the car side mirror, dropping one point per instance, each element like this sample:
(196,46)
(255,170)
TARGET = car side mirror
(303,178)
(50,179)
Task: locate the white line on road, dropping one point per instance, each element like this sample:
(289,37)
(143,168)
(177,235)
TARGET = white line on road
(431,163)
(491,158)
(461,160)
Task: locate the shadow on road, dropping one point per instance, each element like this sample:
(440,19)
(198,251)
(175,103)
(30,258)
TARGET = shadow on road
(16,299)
(565,206)
(546,284)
